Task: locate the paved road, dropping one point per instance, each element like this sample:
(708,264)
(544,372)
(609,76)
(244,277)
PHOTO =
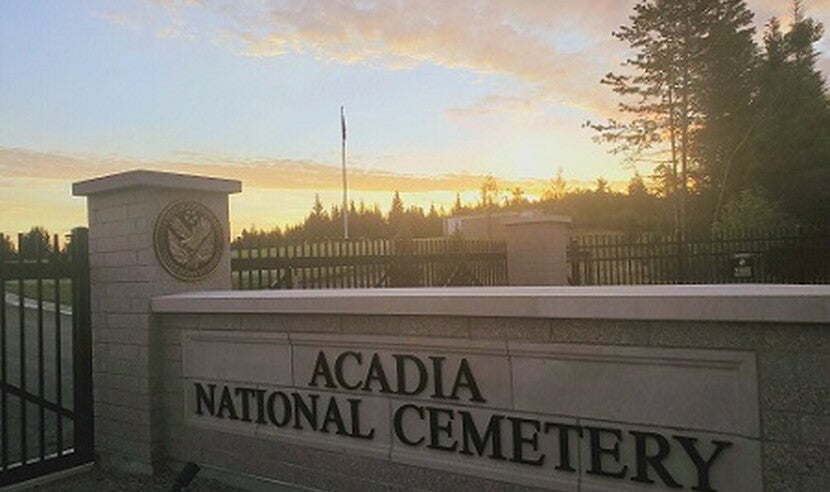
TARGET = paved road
(12,359)
(95,479)
(105,481)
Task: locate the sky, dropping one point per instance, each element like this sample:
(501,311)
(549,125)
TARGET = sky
(437,94)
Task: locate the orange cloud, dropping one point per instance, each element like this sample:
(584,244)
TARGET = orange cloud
(286,174)
(35,187)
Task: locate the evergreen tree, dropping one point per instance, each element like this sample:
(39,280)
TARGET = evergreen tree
(35,242)
(637,186)
(790,148)
(726,87)
(517,197)
(318,211)
(317,223)
(433,212)
(7,249)
(557,187)
(489,192)
(751,210)
(396,215)
(692,67)
(457,207)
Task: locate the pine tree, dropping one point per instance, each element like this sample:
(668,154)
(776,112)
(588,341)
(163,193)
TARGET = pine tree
(517,196)
(637,186)
(316,224)
(7,249)
(35,243)
(489,192)
(691,68)
(396,215)
(791,147)
(726,87)
(557,187)
(457,206)
(318,211)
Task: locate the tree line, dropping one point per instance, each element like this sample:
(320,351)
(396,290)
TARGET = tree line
(730,125)
(365,222)
(37,242)
(636,209)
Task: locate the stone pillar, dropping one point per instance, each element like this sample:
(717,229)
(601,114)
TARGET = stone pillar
(150,234)
(536,250)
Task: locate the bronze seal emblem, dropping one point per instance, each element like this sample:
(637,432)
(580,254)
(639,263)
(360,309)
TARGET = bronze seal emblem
(188,240)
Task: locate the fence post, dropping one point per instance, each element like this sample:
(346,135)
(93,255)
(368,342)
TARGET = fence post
(143,226)
(82,345)
(4,413)
(536,250)
(575,257)
(402,273)
(681,254)
(802,274)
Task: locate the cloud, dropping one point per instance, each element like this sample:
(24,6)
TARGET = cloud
(171,32)
(121,20)
(560,50)
(542,61)
(506,38)
(551,46)
(764,9)
(164,19)
(275,191)
(495,104)
(263,173)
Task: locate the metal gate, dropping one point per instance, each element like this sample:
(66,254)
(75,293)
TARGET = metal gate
(46,414)
(368,263)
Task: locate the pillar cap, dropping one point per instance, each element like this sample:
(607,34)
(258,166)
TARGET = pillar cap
(154,179)
(721,303)
(539,219)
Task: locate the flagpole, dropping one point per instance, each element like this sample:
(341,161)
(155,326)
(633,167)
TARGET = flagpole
(345,186)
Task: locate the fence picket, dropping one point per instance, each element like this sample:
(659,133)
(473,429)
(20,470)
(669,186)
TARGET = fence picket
(4,417)
(58,350)
(371,263)
(22,345)
(775,256)
(32,437)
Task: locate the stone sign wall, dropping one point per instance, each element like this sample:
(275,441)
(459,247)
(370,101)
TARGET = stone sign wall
(447,402)
(570,389)
(549,415)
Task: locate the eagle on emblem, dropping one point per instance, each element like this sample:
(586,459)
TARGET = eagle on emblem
(191,242)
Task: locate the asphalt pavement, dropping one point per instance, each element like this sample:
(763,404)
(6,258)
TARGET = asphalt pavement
(32,381)
(98,480)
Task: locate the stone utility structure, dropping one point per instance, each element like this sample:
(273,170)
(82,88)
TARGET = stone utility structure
(706,388)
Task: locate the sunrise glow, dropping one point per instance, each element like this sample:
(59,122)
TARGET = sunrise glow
(437,94)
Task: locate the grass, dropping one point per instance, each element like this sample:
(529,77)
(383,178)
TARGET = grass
(48,289)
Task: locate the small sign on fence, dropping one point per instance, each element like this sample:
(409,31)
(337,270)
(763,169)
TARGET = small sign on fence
(742,266)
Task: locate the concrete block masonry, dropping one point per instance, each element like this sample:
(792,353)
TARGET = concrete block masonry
(714,388)
(292,371)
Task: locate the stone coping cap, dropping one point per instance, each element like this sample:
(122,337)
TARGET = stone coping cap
(155,179)
(554,219)
(761,303)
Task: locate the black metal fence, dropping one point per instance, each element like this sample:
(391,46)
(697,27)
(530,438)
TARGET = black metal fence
(793,256)
(370,264)
(46,415)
